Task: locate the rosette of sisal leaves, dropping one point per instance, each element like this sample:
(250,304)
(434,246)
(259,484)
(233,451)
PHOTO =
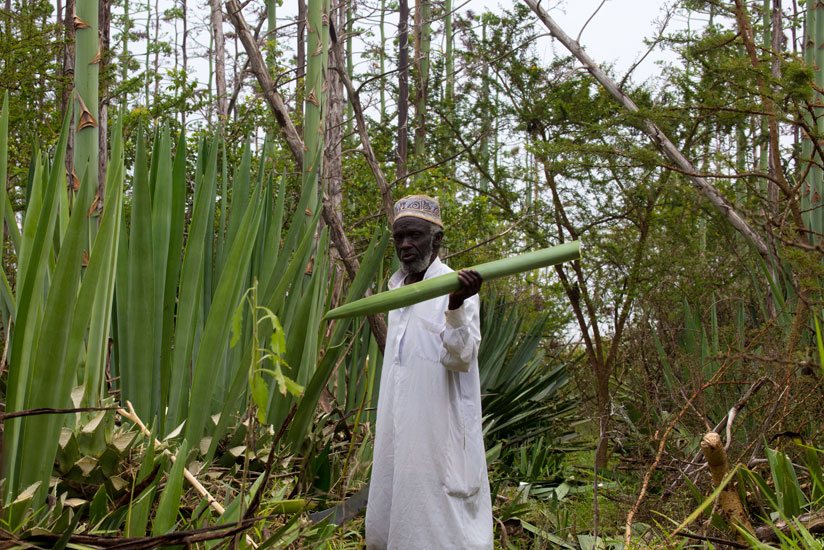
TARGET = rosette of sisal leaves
(444,284)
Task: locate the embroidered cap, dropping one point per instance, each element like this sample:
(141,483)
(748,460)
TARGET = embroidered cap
(419,206)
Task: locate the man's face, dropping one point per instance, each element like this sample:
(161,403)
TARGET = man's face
(414,243)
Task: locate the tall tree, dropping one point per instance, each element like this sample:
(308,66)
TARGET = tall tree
(403,90)
(105,18)
(423,41)
(300,69)
(333,134)
(68,78)
(219,55)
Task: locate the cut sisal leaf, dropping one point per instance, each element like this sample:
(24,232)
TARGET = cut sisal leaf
(444,284)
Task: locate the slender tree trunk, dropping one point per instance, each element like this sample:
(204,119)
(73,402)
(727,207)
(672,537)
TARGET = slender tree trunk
(59,20)
(403,90)
(156,75)
(332,153)
(271,60)
(216,20)
(86,79)
(103,147)
(450,61)
(350,64)
(301,60)
(808,47)
(816,173)
(68,80)
(236,77)
(423,39)
(383,61)
(147,76)
(485,128)
(184,54)
(124,54)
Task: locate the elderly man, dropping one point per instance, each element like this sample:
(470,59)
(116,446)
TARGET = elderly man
(429,487)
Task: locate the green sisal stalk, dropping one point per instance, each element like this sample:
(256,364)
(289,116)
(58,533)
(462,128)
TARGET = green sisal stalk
(444,284)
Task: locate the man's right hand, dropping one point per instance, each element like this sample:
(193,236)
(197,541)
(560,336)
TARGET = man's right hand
(470,281)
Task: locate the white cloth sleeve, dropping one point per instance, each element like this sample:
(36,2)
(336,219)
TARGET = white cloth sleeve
(461,336)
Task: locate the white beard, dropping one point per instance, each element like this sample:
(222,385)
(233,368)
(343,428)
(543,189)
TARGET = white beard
(421,264)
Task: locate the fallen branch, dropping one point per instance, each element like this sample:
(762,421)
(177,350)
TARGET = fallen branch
(665,146)
(814,523)
(143,543)
(198,486)
(48,410)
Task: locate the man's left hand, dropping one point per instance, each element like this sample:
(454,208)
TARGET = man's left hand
(470,285)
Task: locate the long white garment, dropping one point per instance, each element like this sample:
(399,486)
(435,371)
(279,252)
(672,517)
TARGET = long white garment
(429,488)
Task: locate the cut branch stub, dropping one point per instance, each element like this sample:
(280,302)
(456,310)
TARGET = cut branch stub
(730,504)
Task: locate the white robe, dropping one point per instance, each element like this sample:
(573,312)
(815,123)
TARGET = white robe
(429,488)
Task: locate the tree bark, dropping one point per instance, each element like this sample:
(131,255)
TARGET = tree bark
(105,19)
(301,58)
(68,82)
(422,43)
(184,54)
(332,152)
(403,91)
(216,21)
(157,50)
(368,152)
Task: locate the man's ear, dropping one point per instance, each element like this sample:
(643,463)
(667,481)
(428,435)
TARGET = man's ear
(437,238)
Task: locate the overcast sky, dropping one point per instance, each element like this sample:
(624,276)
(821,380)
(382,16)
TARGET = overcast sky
(614,35)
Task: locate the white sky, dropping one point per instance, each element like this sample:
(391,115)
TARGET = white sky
(614,35)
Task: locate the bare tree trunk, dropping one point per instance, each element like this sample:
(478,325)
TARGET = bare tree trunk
(403,91)
(157,50)
(368,151)
(383,61)
(68,83)
(216,20)
(301,59)
(422,44)
(105,20)
(332,153)
(184,53)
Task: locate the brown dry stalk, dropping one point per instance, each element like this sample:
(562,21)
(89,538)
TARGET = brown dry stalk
(213,503)
(731,506)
